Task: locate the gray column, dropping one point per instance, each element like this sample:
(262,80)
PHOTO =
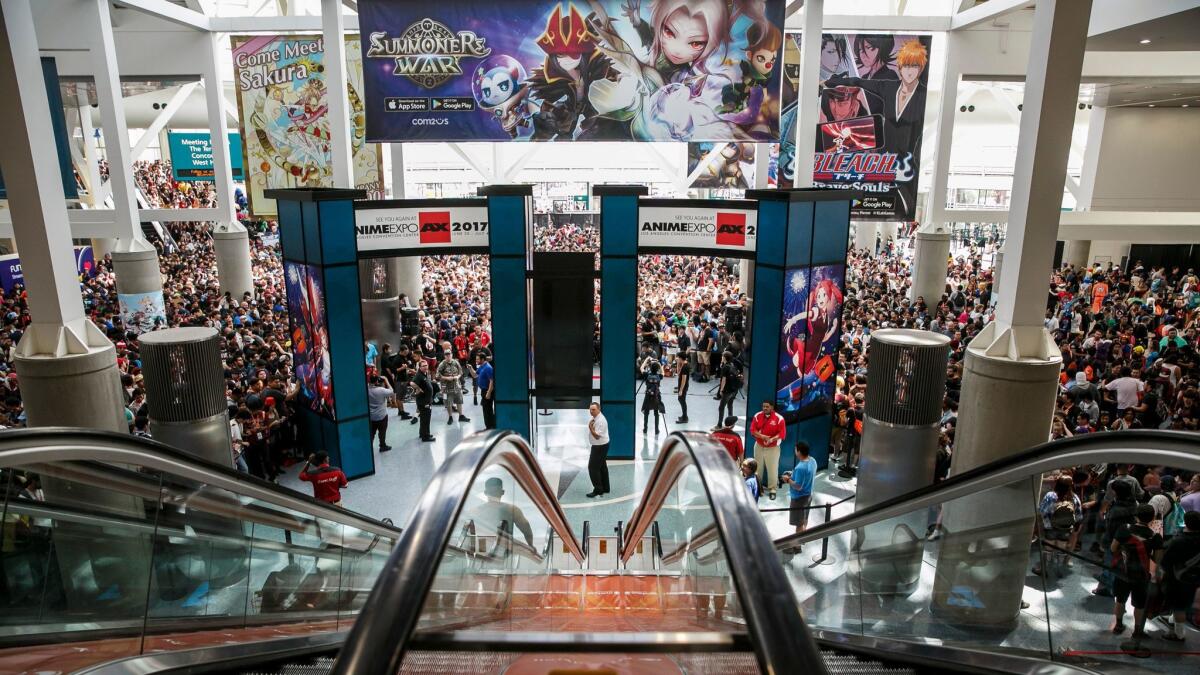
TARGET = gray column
(408,278)
(232,246)
(746,276)
(139,290)
(185,391)
(1012,366)
(929,264)
(378,283)
(102,246)
(865,232)
(1078,253)
(905,386)
(996,268)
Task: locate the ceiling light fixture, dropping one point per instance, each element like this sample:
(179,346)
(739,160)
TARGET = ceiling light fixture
(1151,105)
(1144,41)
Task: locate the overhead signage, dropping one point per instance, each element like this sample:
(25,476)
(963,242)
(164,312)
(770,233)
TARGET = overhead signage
(698,227)
(191,155)
(414,228)
(11,272)
(870,123)
(572,70)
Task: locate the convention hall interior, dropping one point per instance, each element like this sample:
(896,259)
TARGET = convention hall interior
(600,337)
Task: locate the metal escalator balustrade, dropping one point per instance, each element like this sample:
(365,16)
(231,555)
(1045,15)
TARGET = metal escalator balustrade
(137,547)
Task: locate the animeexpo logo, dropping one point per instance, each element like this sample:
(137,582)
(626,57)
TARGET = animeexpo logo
(427,52)
(731,229)
(434,227)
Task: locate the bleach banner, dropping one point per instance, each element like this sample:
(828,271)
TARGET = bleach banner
(727,225)
(572,70)
(444,223)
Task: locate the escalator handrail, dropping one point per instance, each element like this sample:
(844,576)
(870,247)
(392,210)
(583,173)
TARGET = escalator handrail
(24,447)
(377,643)
(779,634)
(1175,449)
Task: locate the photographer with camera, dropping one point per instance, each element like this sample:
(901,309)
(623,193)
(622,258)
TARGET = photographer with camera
(652,402)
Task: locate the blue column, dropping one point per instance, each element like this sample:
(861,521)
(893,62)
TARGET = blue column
(797,229)
(618,313)
(508,238)
(317,237)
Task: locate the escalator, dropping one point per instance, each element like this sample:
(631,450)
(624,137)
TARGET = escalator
(489,575)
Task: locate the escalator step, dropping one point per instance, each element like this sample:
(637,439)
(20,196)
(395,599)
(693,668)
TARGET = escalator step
(318,666)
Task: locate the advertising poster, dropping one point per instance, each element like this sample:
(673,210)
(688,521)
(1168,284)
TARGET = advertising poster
(285,117)
(142,312)
(191,155)
(725,165)
(667,225)
(567,70)
(11,272)
(445,225)
(871,120)
(812,330)
(310,336)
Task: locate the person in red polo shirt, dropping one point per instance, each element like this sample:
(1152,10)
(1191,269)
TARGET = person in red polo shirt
(327,481)
(768,429)
(729,439)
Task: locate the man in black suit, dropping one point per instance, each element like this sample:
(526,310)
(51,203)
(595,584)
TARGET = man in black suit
(423,393)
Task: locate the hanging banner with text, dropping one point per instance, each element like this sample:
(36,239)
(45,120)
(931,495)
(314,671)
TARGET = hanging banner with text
(191,155)
(554,70)
(870,124)
(439,224)
(697,225)
(281,92)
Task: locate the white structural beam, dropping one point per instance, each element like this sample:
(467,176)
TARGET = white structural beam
(164,116)
(337,93)
(936,201)
(486,175)
(530,151)
(167,11)
(396,152)
(993,9)
(214,97)
(806,104)
(874,23)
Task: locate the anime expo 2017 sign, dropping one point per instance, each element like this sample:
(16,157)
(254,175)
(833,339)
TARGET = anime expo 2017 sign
(281,95)
(871,119)
(563,70)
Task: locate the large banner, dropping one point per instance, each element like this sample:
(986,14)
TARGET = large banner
(192,157)
(668,224)
(872,116)
(812,331)
(285,122)
(721,165)
(563,70)
(310,335)
(444,225)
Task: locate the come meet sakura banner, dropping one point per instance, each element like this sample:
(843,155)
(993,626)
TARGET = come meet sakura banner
(284,111)
(572,70)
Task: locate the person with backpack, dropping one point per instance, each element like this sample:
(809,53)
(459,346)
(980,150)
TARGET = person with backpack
(1137,548)
(652,401)
(1061,513)
(1180,574)
(1121,514)
(1166,505)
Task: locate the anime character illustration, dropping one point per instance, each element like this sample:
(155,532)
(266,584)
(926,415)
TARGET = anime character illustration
(566,83)
(499,88)
(844,102)
(742,100)
(873,56)
(310,337)
(727,168)
(835,57)
(810,339)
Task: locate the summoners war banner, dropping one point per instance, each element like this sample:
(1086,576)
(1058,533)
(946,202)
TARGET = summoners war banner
(872,116)
(572,70)
(285,117)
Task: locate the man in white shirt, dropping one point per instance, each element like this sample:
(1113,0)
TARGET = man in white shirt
(1127,388)
(598,461)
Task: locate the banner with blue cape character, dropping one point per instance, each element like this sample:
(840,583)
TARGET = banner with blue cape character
(564,70)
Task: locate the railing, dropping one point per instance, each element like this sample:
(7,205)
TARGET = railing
(780,637)
(378,646)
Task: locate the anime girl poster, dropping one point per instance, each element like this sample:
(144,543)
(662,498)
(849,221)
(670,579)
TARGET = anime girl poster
(310,336)
(812,329)
(572,70)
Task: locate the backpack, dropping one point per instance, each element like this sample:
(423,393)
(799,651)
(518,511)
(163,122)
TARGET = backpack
(1173,519)
(1062,516)
(1135,559)
(1189,572)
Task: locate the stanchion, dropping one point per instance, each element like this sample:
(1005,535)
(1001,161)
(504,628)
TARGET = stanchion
(824,558)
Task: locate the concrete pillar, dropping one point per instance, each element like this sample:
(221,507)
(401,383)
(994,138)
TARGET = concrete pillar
(929,264)
(396,150)
(865,234)
(996,268)
(378,283)
(139,290)
(1078,253)
(936,209)
(102,246)
(746,277)
(905,386)
(230,239)
(1012,366)
(185,391)
(408,279)
(333,29)
(234,272)
(807,103)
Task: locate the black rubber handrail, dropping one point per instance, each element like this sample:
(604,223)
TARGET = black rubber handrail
(781,639)
(1175,449)
(377,643)
(23,447)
